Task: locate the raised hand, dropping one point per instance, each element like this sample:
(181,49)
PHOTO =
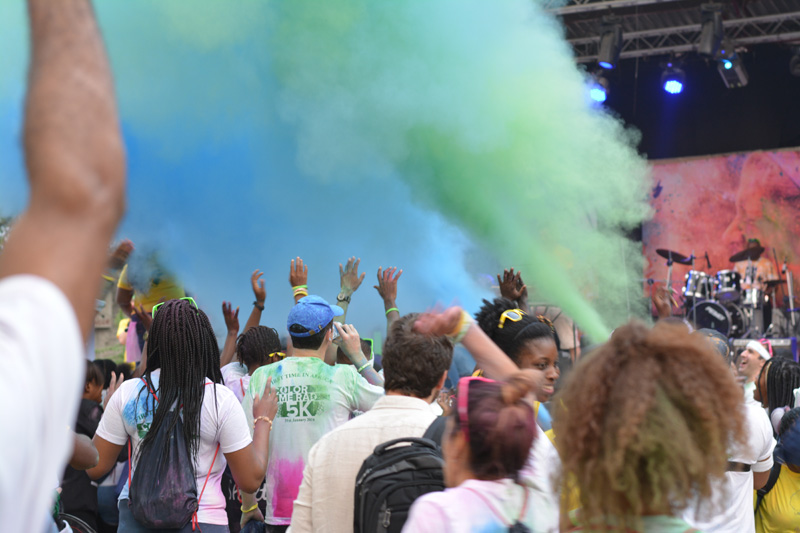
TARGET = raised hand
(349,278)
(258,286)
(512,286)
(663,300)
(298,273)
(120,255)
(387,283)
(231,317)
(438,323)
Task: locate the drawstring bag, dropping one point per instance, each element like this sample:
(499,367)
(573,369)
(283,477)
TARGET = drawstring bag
(163,491)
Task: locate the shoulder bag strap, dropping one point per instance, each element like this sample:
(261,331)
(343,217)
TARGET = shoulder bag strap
(194,516)
(762,492)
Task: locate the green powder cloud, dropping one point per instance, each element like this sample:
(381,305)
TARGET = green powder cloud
(480,107)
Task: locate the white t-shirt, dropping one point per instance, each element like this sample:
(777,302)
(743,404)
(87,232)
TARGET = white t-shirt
(731,506)
(313,398)
(43,369)
(236,378)
(130,413)
(493,506)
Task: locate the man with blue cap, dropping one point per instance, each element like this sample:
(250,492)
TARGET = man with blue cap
(313,398)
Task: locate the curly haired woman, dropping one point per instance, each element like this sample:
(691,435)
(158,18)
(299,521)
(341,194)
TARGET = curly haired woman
(650,416)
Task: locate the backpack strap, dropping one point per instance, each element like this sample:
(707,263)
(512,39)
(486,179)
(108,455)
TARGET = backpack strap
(200,497)
(773,478)
(241,385)
(496,512)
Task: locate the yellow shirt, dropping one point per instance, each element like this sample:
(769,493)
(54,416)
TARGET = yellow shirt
(166,288)
(780,509)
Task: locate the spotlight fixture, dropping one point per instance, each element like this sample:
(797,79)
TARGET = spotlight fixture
(598,88)
(711,31)
(610,43)
(732,70)
(673,78)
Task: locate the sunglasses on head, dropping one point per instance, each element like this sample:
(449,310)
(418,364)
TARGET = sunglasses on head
(463,403)
(514,315)
(187,298)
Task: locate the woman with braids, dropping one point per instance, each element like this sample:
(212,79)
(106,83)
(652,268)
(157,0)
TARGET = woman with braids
(777,510)
(183,370)
(529,341)
(649,416)
(256,347)
(775,386)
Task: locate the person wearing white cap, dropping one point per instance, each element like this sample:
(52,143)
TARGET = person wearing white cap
(751,361)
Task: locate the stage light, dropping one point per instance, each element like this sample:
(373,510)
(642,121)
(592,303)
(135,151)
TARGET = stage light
(732,70)
(711,31)
(673,79)
(610,43)
(598,88)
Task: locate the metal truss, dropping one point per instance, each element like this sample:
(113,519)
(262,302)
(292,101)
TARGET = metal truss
(781,27)
(584,6)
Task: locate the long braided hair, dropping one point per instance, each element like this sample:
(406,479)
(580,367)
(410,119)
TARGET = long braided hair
(182,344)
(783,376)
(259,346)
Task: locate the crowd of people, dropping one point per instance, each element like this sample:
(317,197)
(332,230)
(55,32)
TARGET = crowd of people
(309,426)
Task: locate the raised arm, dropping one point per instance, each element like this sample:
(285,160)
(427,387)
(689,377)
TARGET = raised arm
(350,342)
(298,278)
(513,288)
(232,325)
(457,324)
(260,294)
(73,154)
(387,288)
(349,282)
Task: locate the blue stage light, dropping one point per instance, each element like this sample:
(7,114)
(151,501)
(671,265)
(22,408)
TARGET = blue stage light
(673,86)
(727,64)
(598,94)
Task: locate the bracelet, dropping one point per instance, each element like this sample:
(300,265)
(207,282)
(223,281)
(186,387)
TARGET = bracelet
(391,309)
(299,287)
(365,365)
(259,306)
(263,418)
(460,331)
(253,508)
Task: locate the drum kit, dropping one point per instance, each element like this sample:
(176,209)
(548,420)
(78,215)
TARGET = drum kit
(719,301)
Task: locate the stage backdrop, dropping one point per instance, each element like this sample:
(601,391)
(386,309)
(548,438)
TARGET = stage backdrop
(714,204)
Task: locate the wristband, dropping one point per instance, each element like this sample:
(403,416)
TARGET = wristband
(299,287)
(365,365)
(262,418)
(391,309)
(460,331)
(259,306)
(253,508)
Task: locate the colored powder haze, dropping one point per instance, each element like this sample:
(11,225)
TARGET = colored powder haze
(448,138)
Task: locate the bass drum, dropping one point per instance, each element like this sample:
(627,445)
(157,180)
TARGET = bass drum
(727,319)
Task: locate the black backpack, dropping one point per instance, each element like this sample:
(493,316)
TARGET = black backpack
(163,494)
(396,474)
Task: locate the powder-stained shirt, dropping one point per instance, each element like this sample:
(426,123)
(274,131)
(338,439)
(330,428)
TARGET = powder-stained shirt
(313,398)
(129,414)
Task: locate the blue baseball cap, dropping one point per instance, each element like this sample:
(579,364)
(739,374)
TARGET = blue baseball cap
(312,313)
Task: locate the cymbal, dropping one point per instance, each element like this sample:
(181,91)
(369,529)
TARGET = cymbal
(774,282)
(750,253)
(676,257)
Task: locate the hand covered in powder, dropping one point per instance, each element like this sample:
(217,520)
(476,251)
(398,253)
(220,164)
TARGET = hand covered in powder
(349,278)
(437,323)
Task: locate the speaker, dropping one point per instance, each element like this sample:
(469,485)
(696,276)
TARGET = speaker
(785,347)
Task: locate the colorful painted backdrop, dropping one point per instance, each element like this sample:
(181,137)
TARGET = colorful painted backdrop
(714,204)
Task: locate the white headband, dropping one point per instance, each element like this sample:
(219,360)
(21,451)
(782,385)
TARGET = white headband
(759,348)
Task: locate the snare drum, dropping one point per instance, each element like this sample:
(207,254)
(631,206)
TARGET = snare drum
(698,286)
(728,286)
